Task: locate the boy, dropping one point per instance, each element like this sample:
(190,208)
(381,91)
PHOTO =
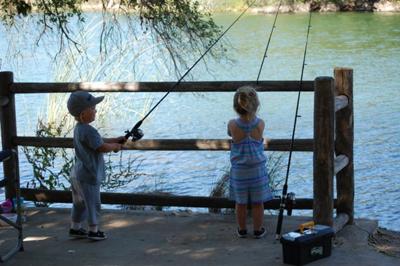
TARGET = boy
(89,170)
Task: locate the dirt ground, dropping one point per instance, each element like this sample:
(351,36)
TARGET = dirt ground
(182,238)
(386,241)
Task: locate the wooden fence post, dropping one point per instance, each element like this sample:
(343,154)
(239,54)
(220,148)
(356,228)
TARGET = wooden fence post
(344,143)
(8,132)
(324,119)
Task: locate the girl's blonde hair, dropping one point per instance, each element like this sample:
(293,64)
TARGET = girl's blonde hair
(245,101)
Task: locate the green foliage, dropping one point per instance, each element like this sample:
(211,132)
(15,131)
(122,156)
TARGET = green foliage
(53,11)
(121,173)
(172,15)
(46,173)
(55,14)
(52,166)
(177,24)
(12,8)
(180,26)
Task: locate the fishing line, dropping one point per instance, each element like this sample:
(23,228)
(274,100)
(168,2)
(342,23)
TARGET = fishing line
(284,191)
(135,132)
(269,40)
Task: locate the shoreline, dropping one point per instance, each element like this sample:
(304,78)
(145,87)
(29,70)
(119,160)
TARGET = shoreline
(348,6)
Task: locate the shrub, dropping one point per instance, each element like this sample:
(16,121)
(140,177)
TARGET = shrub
(274,165)
(52,166)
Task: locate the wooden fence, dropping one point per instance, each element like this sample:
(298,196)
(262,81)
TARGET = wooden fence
(333,134)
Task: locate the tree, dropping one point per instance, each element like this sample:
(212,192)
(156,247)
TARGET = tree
(178,24)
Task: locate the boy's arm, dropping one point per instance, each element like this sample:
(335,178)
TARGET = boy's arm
(120,139)
(92,139)
(108,147)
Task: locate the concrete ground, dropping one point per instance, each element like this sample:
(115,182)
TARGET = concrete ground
(173,238)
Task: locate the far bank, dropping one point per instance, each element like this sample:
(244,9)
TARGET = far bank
(287,6)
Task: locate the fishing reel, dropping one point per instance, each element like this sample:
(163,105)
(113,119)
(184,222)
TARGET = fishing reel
(290,202)
(135,133)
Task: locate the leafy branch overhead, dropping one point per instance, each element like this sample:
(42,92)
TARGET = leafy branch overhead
(176,24)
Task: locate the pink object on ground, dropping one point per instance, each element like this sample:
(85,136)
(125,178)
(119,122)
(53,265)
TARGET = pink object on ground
(6,206)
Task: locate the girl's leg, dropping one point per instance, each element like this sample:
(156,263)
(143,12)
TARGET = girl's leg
(241,210)
(258,215)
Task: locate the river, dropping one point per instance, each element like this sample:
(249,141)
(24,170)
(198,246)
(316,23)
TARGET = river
(367,42)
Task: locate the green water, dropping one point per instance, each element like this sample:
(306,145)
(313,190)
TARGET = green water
(367,42)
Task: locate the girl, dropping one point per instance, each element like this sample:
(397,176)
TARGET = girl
(248,176)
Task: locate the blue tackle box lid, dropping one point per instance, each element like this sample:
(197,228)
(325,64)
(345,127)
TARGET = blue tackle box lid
(309,235)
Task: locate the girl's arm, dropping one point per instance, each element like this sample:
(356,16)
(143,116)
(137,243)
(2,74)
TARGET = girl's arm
(229,128)
(261,127)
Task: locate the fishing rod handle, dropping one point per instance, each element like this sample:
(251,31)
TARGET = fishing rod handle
(279,224)
(127,134)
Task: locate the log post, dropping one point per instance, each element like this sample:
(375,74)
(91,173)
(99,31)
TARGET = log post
(8,132)
(324,119)
(344,142)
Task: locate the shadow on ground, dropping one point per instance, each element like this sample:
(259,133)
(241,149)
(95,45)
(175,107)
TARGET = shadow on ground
(174,238)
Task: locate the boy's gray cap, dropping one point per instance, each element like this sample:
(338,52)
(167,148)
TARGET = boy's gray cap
(80,100)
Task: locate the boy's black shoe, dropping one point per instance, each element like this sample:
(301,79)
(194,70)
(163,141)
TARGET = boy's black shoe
(260,233)
(80,233)
(241,233)
(99,235)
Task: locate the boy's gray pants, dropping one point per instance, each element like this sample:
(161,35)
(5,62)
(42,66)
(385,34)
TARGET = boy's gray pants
(86,202)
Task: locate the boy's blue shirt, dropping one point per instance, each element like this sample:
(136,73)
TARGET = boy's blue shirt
(89,164)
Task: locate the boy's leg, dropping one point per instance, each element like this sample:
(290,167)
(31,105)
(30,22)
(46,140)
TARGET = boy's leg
(93,203)
(241,212)
(78,212)
(257,211)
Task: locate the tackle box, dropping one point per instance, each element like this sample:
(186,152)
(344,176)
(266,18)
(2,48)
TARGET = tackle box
(310,245)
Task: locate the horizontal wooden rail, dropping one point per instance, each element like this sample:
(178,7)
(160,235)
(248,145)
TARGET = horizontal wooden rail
(341,102)
(58,196)
(171,144)
(341,162)
(198,86)
(4,101)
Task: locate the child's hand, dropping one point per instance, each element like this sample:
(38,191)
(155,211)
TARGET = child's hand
(117,147)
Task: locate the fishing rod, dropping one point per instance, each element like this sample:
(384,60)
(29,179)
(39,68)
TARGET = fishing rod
(269,40)
(136,133)
(285,186)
